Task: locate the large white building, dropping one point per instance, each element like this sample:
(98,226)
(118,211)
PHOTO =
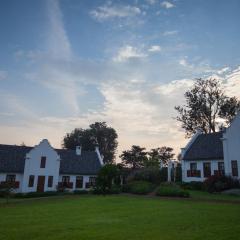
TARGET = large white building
(43,168)
(212,154)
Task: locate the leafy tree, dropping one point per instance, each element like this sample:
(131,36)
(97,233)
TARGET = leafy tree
(161,155)
(134,158)
(97,133)
(205,103)
(108,175)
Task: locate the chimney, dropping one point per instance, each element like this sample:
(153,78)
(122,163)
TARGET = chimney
(78,150)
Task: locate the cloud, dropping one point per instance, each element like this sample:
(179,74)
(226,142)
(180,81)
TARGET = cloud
(3,74)
(155,48)
(151,2)
(128,52)
(170,33)
(167,4)
(110,11)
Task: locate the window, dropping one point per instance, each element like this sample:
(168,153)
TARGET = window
(50,181)
(234,168)
(193,166)
(221,170)
(207,169)
(43,162)
(10,178)
(31,181)
(92,181)
(65,179)
(79,181)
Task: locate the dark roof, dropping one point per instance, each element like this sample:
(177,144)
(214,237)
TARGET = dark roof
(12,159)
(86,164)
(205,147)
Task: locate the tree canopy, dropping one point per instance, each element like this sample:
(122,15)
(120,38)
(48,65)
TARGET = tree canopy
(97,133)
(206,102)
(137,157)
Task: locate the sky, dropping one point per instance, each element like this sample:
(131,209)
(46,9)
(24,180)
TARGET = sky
(68,63)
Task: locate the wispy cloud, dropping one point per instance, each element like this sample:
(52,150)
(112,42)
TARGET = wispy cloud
(170,33)
(110,11)
(167,4)
(151,2)
(155,48)
(128,52)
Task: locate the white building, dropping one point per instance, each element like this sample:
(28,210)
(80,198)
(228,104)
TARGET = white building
(43,168)
(211,154)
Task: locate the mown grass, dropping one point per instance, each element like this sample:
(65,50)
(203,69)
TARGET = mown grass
(118,217)
(201,195)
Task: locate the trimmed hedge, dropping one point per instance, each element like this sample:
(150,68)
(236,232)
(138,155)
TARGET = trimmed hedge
(170,190)
(80,192)
(35,194)
(194,185)
(139,187)
(115,189)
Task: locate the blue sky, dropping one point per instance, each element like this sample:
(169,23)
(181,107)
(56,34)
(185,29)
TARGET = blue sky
(68,63)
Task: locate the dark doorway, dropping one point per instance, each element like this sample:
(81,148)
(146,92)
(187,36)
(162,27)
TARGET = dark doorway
(40,183)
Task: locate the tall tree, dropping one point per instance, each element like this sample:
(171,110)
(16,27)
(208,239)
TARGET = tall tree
(205,103)
(161,155)
(97,133)
(134,158)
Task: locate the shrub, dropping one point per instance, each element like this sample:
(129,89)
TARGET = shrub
(220,183)
(147,174)
(139,187)
(171,191)
(194,185)
(36,194)
(115,189)
(79,192)
(107,176)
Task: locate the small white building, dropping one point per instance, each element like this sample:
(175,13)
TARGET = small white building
(43,168)
(212,154)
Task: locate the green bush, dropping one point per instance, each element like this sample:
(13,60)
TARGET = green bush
(36,194)
(147,174)
(79,192)
(139,187)
(220,183)
(115,189)
(194,185)
(171,191)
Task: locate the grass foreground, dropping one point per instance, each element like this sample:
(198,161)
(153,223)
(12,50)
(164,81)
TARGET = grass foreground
(118,217)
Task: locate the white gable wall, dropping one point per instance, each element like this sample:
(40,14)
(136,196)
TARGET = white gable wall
(32,166)
(231,145)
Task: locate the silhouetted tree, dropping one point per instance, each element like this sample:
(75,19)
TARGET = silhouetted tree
(134,158)
(161,155)
(205,103)
(97,133)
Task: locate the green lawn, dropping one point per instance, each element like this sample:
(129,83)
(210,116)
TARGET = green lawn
(118,217)
(213,196)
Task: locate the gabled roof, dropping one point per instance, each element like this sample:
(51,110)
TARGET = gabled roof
(205,147)
(71,163)
(12,159)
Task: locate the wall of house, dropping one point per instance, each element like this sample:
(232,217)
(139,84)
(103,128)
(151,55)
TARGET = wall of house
(32,167)
(19,178)
(186,166)
(73,180)
(231,145)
